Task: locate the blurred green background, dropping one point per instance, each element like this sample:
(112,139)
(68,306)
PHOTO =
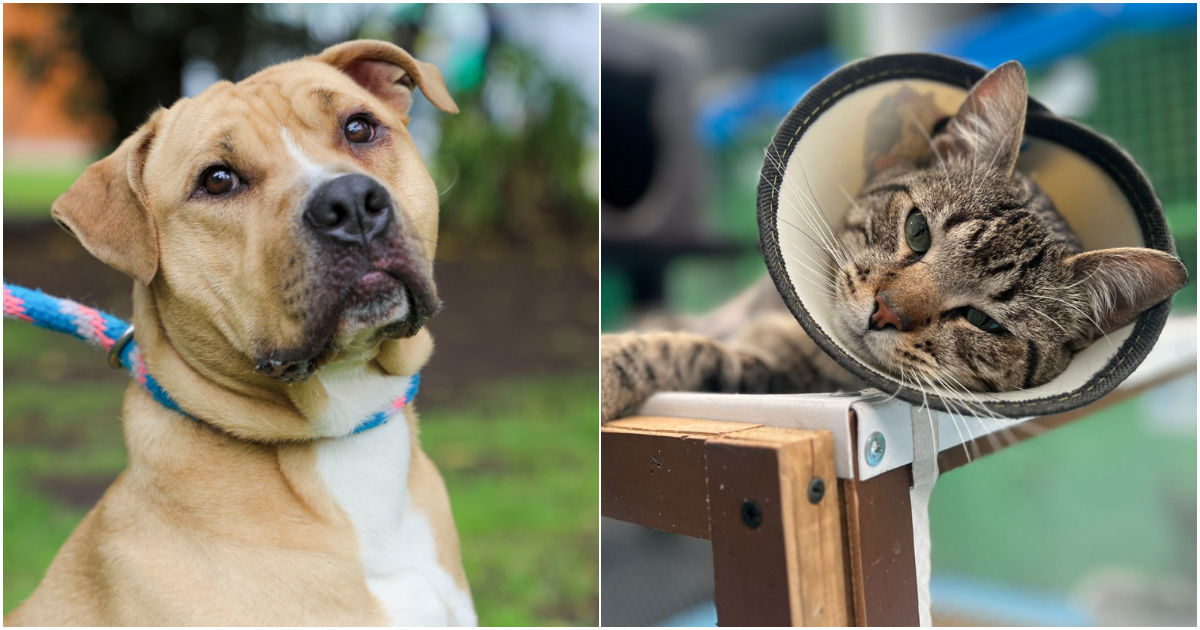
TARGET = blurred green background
(508,403)
(1094,523)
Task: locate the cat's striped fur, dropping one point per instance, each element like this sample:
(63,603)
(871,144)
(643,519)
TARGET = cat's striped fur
(996,246)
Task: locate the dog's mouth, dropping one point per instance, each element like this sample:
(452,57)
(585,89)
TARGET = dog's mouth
(375,295)
(389,299)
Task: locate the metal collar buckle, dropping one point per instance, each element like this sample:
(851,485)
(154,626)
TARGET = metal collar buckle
(114,353)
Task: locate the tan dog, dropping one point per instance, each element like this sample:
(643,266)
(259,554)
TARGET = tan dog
(281,233)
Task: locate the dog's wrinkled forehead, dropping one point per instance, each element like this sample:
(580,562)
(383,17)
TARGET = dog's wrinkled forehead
(260,135)
(267,117)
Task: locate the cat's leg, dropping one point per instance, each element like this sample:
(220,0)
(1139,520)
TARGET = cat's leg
(635,365)
(771,355)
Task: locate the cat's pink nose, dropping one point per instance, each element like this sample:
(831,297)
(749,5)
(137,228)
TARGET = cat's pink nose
(885,315)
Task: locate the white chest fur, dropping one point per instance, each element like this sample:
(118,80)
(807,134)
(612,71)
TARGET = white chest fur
(368,475)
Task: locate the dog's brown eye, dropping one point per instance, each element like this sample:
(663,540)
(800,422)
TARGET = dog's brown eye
(219,180)
(358,130)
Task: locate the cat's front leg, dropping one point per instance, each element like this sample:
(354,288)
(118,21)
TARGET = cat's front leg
(635,365)
(771,354)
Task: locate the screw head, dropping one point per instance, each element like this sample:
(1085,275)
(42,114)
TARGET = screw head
(751,514)
(816,490)
(876,447)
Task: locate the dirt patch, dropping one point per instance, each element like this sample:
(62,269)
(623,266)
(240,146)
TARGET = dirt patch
(76,492)
(33,429)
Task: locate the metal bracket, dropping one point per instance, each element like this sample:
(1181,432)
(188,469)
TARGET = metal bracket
(876,413)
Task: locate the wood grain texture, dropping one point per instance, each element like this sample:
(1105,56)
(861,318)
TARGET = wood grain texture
(653,472)
(880,537)
(787,570)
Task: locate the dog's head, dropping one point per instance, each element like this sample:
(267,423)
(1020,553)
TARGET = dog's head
(281,221)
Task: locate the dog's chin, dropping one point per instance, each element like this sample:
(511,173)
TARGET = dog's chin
(377,306)
(378,301)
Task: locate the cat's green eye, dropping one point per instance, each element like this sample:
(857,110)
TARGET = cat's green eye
(982,321)
(916,231)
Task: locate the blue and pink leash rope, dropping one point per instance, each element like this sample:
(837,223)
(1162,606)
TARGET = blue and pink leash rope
(115,335)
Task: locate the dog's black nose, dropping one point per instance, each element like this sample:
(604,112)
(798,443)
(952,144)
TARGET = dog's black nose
(352,209)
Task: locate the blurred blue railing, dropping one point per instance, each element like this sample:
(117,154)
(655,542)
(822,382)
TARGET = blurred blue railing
(1032,34)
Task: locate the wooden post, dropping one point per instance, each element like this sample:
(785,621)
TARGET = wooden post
(879,542)
(776,531)
(879,539)
(767,497)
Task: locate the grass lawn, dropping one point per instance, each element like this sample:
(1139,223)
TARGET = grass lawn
(28,193)
(520,458)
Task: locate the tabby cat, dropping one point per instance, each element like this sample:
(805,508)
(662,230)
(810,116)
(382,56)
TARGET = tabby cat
(954,272)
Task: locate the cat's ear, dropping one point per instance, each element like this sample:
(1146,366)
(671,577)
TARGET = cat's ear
(990,124)
(1119,284)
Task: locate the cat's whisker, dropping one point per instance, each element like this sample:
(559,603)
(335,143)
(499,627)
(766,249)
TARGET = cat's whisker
(966,419)
(830,290)
(813,198)
(932,375)
(814,241)
(959,429)
(803,212)
(902,380)
(823,269)
(849,198)
(1002,424)
(982,423)
(1048,318)
(826,227)
(824,265)
(925,134)
(834,249)
(1081,312)
(929,411)
(832,243)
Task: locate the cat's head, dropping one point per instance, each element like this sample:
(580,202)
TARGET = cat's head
(960,274)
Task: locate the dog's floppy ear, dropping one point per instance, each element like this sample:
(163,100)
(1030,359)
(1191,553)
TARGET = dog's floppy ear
(389,72)
(106,208)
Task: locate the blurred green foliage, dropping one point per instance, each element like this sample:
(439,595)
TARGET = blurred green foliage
(523,156)
(1079,499)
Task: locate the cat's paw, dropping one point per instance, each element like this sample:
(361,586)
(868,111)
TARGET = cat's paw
(620,387)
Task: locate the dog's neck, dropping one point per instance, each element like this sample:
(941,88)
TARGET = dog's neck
(253,407)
